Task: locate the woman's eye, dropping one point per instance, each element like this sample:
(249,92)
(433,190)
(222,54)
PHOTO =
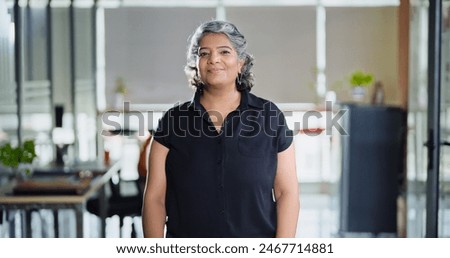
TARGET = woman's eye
(203,54)
(225,52)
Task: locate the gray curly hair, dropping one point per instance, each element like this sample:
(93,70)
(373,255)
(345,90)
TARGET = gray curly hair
(245,80)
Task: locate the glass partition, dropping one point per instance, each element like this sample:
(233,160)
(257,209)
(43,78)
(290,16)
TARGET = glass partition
(419,105)
(35,90)
(444,176)
(52,73)
(25,98)
(417,119)
(8,106)
(83,35)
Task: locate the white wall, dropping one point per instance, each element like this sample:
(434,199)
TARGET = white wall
(147,47)
(363,38)
(283,41)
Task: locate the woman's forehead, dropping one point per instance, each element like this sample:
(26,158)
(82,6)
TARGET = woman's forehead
(215,39)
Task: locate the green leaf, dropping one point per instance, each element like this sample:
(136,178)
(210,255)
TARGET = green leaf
(360,78)
(12,157)
(28,152)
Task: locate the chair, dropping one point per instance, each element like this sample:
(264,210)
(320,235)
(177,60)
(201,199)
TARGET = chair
(122,205)
(119,204)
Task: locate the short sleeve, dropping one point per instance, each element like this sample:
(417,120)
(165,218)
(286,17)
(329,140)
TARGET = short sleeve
(284,134)
(162,132)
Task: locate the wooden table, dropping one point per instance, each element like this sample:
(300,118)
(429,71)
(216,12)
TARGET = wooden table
(27,203)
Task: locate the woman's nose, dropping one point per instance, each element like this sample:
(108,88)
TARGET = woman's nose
(214,57)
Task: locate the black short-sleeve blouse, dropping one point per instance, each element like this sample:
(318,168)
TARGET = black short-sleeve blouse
(221,184)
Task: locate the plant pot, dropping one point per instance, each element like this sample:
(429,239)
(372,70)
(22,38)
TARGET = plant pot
(24,171)
(359,93)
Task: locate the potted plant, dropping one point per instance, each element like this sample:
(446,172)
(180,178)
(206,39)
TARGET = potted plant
(120,92)
(19,159)
(359,82)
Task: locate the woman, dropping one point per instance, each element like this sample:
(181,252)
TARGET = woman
(222,164)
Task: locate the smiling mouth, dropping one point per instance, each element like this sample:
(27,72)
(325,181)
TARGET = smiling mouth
(215,70)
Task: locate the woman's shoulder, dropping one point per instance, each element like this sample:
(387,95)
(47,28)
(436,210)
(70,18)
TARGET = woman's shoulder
(263,103)
(179,107)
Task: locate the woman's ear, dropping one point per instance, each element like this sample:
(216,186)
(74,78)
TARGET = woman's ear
(241,63)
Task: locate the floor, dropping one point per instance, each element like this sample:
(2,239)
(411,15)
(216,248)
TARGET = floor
(318,218)
(319,202)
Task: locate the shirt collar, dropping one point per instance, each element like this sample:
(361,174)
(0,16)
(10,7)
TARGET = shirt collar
(250,100)
(195,101)
(247,100)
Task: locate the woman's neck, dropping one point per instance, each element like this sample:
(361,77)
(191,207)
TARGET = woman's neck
(219,103)
(220,99)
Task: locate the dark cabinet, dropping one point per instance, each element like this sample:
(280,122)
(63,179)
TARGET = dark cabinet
(372,168)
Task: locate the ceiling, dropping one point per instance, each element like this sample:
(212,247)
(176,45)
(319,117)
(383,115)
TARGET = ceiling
(209,3)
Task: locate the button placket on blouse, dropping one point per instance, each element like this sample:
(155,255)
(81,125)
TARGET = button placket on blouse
(220,173)
(221,141)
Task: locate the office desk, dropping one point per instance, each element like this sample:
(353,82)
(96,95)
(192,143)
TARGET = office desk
(27,203)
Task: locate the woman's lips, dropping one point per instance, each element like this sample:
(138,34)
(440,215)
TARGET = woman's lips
(215,70)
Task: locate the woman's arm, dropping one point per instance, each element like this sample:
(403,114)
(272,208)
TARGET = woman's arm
(154,209)
(286,194)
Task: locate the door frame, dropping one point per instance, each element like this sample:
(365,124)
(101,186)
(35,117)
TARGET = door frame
(433,124)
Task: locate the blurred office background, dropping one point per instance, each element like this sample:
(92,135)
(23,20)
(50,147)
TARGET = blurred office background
(68,67)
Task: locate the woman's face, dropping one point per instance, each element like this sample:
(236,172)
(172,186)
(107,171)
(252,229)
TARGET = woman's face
(218,62)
